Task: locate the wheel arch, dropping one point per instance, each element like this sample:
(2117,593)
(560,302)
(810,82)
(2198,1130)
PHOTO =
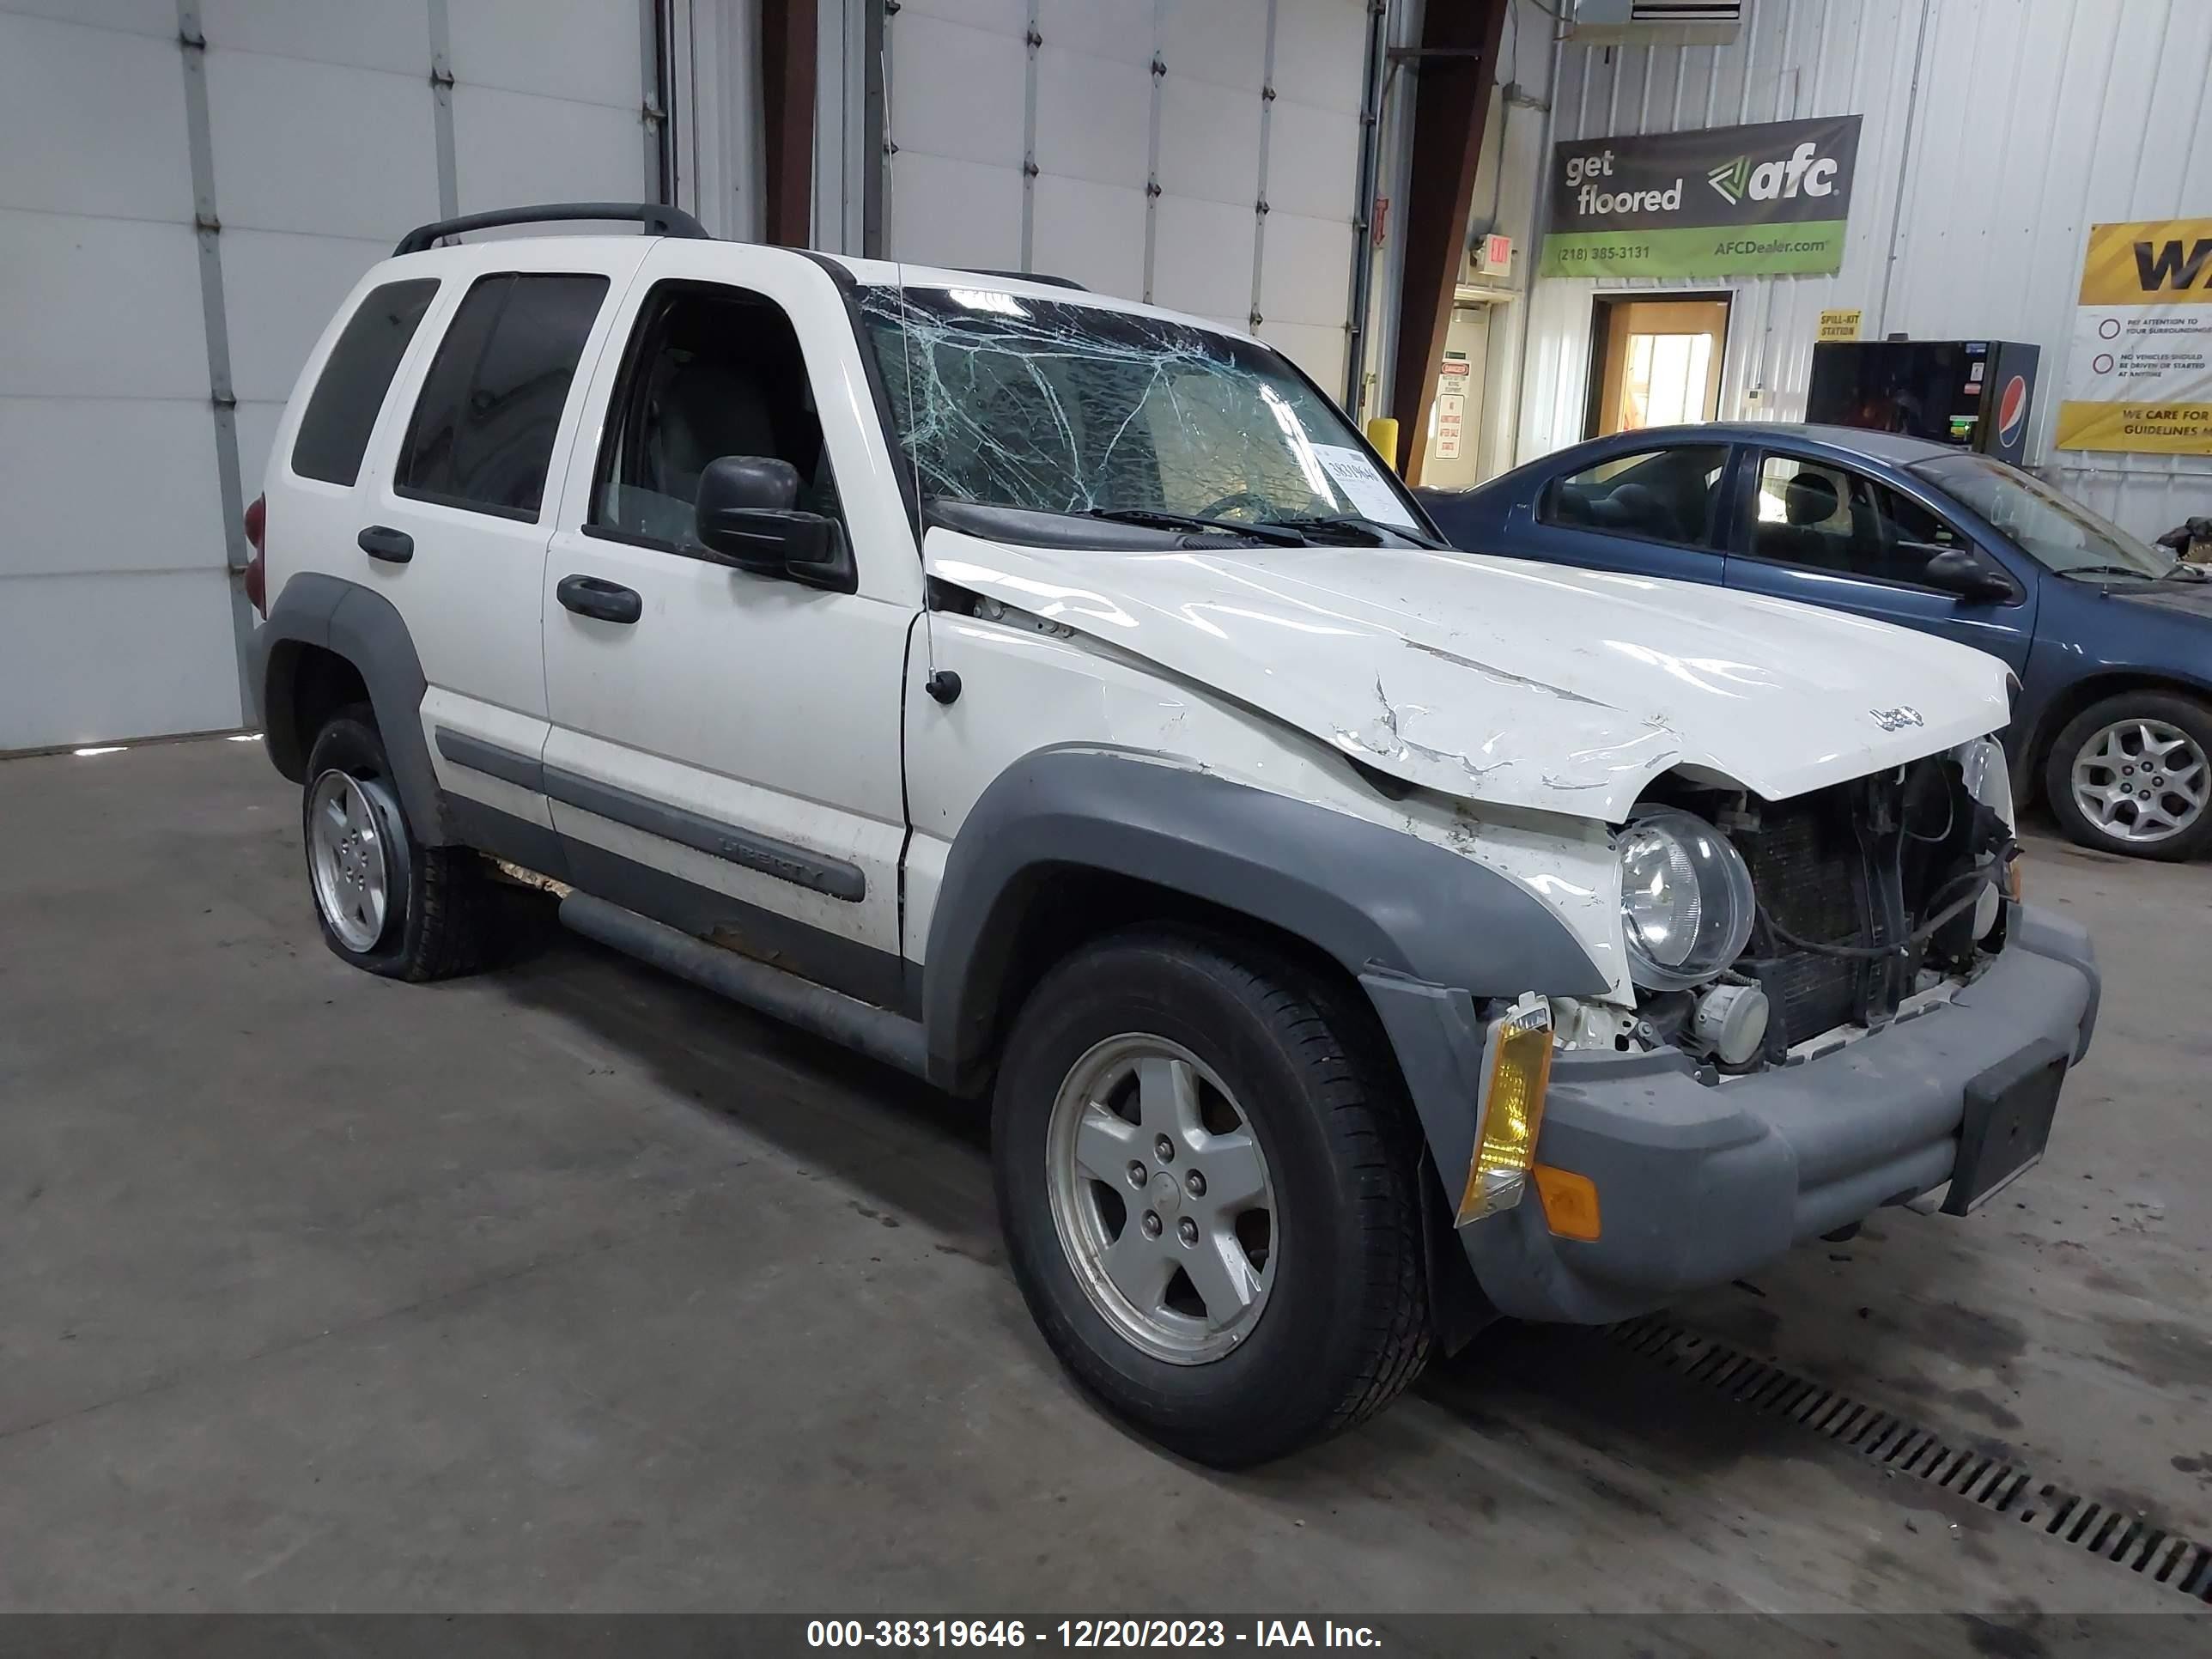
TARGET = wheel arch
(1069,841)
(328,642)
(2073,699)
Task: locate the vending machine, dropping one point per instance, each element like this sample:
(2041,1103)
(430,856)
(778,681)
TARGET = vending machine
(1974,393)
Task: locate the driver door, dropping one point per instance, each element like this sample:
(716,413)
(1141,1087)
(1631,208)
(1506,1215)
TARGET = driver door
(1812,529)
(725,749)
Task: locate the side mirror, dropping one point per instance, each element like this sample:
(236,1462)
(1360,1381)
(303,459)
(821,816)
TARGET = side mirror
(1956,570)
(748,517)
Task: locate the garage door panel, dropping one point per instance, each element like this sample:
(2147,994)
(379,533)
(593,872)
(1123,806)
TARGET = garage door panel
(1316,348)
(164,661)
(957,92)
(1120,30)
(511,148)
(318,148)
(256,436)
(947,212)
(1224,41)
(1203,262)
(1313,160)
(279,290)
(1320,53)
(1209,141)
(1097,230)
(589,53)
(396,37)
(117,303)
(155,17)
(92,121)
(1094,117)
(107,483)
(999,16)
(1305,274)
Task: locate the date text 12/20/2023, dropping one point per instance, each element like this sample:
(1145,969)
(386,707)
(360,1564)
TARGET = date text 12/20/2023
(1086,1633)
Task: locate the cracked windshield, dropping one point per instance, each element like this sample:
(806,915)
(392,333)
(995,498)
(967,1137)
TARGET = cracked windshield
(1007,401)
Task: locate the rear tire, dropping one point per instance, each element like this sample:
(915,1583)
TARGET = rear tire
(385,902)
(2133,775)
(1322,1316)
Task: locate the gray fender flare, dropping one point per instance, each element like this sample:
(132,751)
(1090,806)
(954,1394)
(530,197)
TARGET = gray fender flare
(362,626)
(1425,930)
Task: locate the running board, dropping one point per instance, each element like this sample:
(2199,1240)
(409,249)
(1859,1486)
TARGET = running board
(876,1032)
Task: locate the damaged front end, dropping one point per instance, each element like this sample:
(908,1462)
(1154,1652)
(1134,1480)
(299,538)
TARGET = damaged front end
(1760,932)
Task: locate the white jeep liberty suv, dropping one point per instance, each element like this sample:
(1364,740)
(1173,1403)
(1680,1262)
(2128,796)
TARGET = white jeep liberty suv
(1357,939)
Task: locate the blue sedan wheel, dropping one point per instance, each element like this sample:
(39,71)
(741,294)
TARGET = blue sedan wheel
(2132,774)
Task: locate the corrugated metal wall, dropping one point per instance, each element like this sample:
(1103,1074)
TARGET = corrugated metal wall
(2029,120)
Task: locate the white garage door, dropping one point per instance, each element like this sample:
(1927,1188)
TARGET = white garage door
(321,130)
(1199,154)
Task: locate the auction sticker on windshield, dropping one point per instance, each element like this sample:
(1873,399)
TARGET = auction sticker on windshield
(1367,491)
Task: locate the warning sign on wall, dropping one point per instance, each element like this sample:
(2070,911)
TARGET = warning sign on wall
(2139,375)
(1839,325)
(1451,411)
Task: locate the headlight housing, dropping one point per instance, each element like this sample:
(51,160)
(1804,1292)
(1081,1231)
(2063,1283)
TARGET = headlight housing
(1686,906)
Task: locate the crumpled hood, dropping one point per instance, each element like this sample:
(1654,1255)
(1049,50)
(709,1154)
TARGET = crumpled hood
(1508,681)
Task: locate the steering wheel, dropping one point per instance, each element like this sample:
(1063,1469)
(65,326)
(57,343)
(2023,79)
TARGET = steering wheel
(1260,506)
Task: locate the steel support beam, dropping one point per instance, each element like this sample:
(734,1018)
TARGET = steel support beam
(1455,70)
(789,35)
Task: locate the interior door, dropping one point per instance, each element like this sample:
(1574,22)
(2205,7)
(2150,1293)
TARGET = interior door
(1816,529)
(1655,363)
(725,751)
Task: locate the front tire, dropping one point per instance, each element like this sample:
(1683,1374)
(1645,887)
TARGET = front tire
(1207,1173)
(2130,775)
(385,902)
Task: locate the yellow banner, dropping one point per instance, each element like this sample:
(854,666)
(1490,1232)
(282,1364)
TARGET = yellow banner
(2142,429)
(2152,262)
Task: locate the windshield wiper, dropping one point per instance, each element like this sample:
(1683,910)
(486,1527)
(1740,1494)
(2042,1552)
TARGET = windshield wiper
(1376,527)
(1274,534)
(2195,572)
(2107,570)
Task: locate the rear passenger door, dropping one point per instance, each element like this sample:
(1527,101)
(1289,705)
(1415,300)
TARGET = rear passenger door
(1655,512)
(454,522)
(725,745)
(1817,529)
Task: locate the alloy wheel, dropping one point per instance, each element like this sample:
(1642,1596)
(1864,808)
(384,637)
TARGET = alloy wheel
(2140,780)
(347,858)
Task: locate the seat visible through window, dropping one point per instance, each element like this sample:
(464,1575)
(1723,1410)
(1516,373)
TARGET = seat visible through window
(712,372)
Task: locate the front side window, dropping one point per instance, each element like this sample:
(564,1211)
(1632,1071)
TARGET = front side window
(2054,530)
(1657,495)
(710,372)
(342,411)
(1819,516)
(483,432)
(1067,408)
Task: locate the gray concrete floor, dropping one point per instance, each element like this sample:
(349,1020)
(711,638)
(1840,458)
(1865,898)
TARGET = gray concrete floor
(569,1287)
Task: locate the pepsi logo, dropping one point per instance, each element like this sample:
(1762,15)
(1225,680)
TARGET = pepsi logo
(2012,409)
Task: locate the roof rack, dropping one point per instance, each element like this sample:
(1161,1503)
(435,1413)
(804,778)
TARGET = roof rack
(658,221)
(1028,277)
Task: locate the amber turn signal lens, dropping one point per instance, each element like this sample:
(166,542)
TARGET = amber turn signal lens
(1518,1053)
(1570,1201)
(2016,877)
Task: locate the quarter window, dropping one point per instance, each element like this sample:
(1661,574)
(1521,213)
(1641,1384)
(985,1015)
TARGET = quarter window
(482,436)
(334,432)
(1657,495)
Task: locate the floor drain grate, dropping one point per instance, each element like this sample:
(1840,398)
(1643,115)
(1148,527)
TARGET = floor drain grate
(1897,1442)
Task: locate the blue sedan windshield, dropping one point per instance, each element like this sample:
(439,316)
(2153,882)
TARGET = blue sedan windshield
(2054,530)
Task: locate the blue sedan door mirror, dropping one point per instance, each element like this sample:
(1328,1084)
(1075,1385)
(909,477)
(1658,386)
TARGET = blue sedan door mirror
(1956,570)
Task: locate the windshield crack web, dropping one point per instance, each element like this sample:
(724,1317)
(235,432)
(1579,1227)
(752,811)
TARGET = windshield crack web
(1072,408)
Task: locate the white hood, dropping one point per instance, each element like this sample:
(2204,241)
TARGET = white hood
(1503,680)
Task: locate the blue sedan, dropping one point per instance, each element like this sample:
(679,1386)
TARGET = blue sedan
(2111,637)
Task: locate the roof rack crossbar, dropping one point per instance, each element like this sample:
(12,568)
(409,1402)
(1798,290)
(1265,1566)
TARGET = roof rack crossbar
(658,220)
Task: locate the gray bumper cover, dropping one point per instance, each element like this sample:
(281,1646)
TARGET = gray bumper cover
(1701,1184)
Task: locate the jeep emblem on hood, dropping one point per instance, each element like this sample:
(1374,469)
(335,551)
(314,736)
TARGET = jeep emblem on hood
(1897,719)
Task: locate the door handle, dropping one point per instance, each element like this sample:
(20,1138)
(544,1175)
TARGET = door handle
(588,596)
(382,541)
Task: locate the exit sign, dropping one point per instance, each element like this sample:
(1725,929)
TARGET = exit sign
(1494,255)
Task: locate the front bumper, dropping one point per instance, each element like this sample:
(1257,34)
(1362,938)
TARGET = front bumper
(1700,1184)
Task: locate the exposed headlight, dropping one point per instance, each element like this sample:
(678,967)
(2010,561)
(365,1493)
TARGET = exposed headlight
(1686,899)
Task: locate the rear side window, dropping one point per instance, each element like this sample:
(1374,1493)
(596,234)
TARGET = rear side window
(334,432)
(481,436)
(1654,494)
